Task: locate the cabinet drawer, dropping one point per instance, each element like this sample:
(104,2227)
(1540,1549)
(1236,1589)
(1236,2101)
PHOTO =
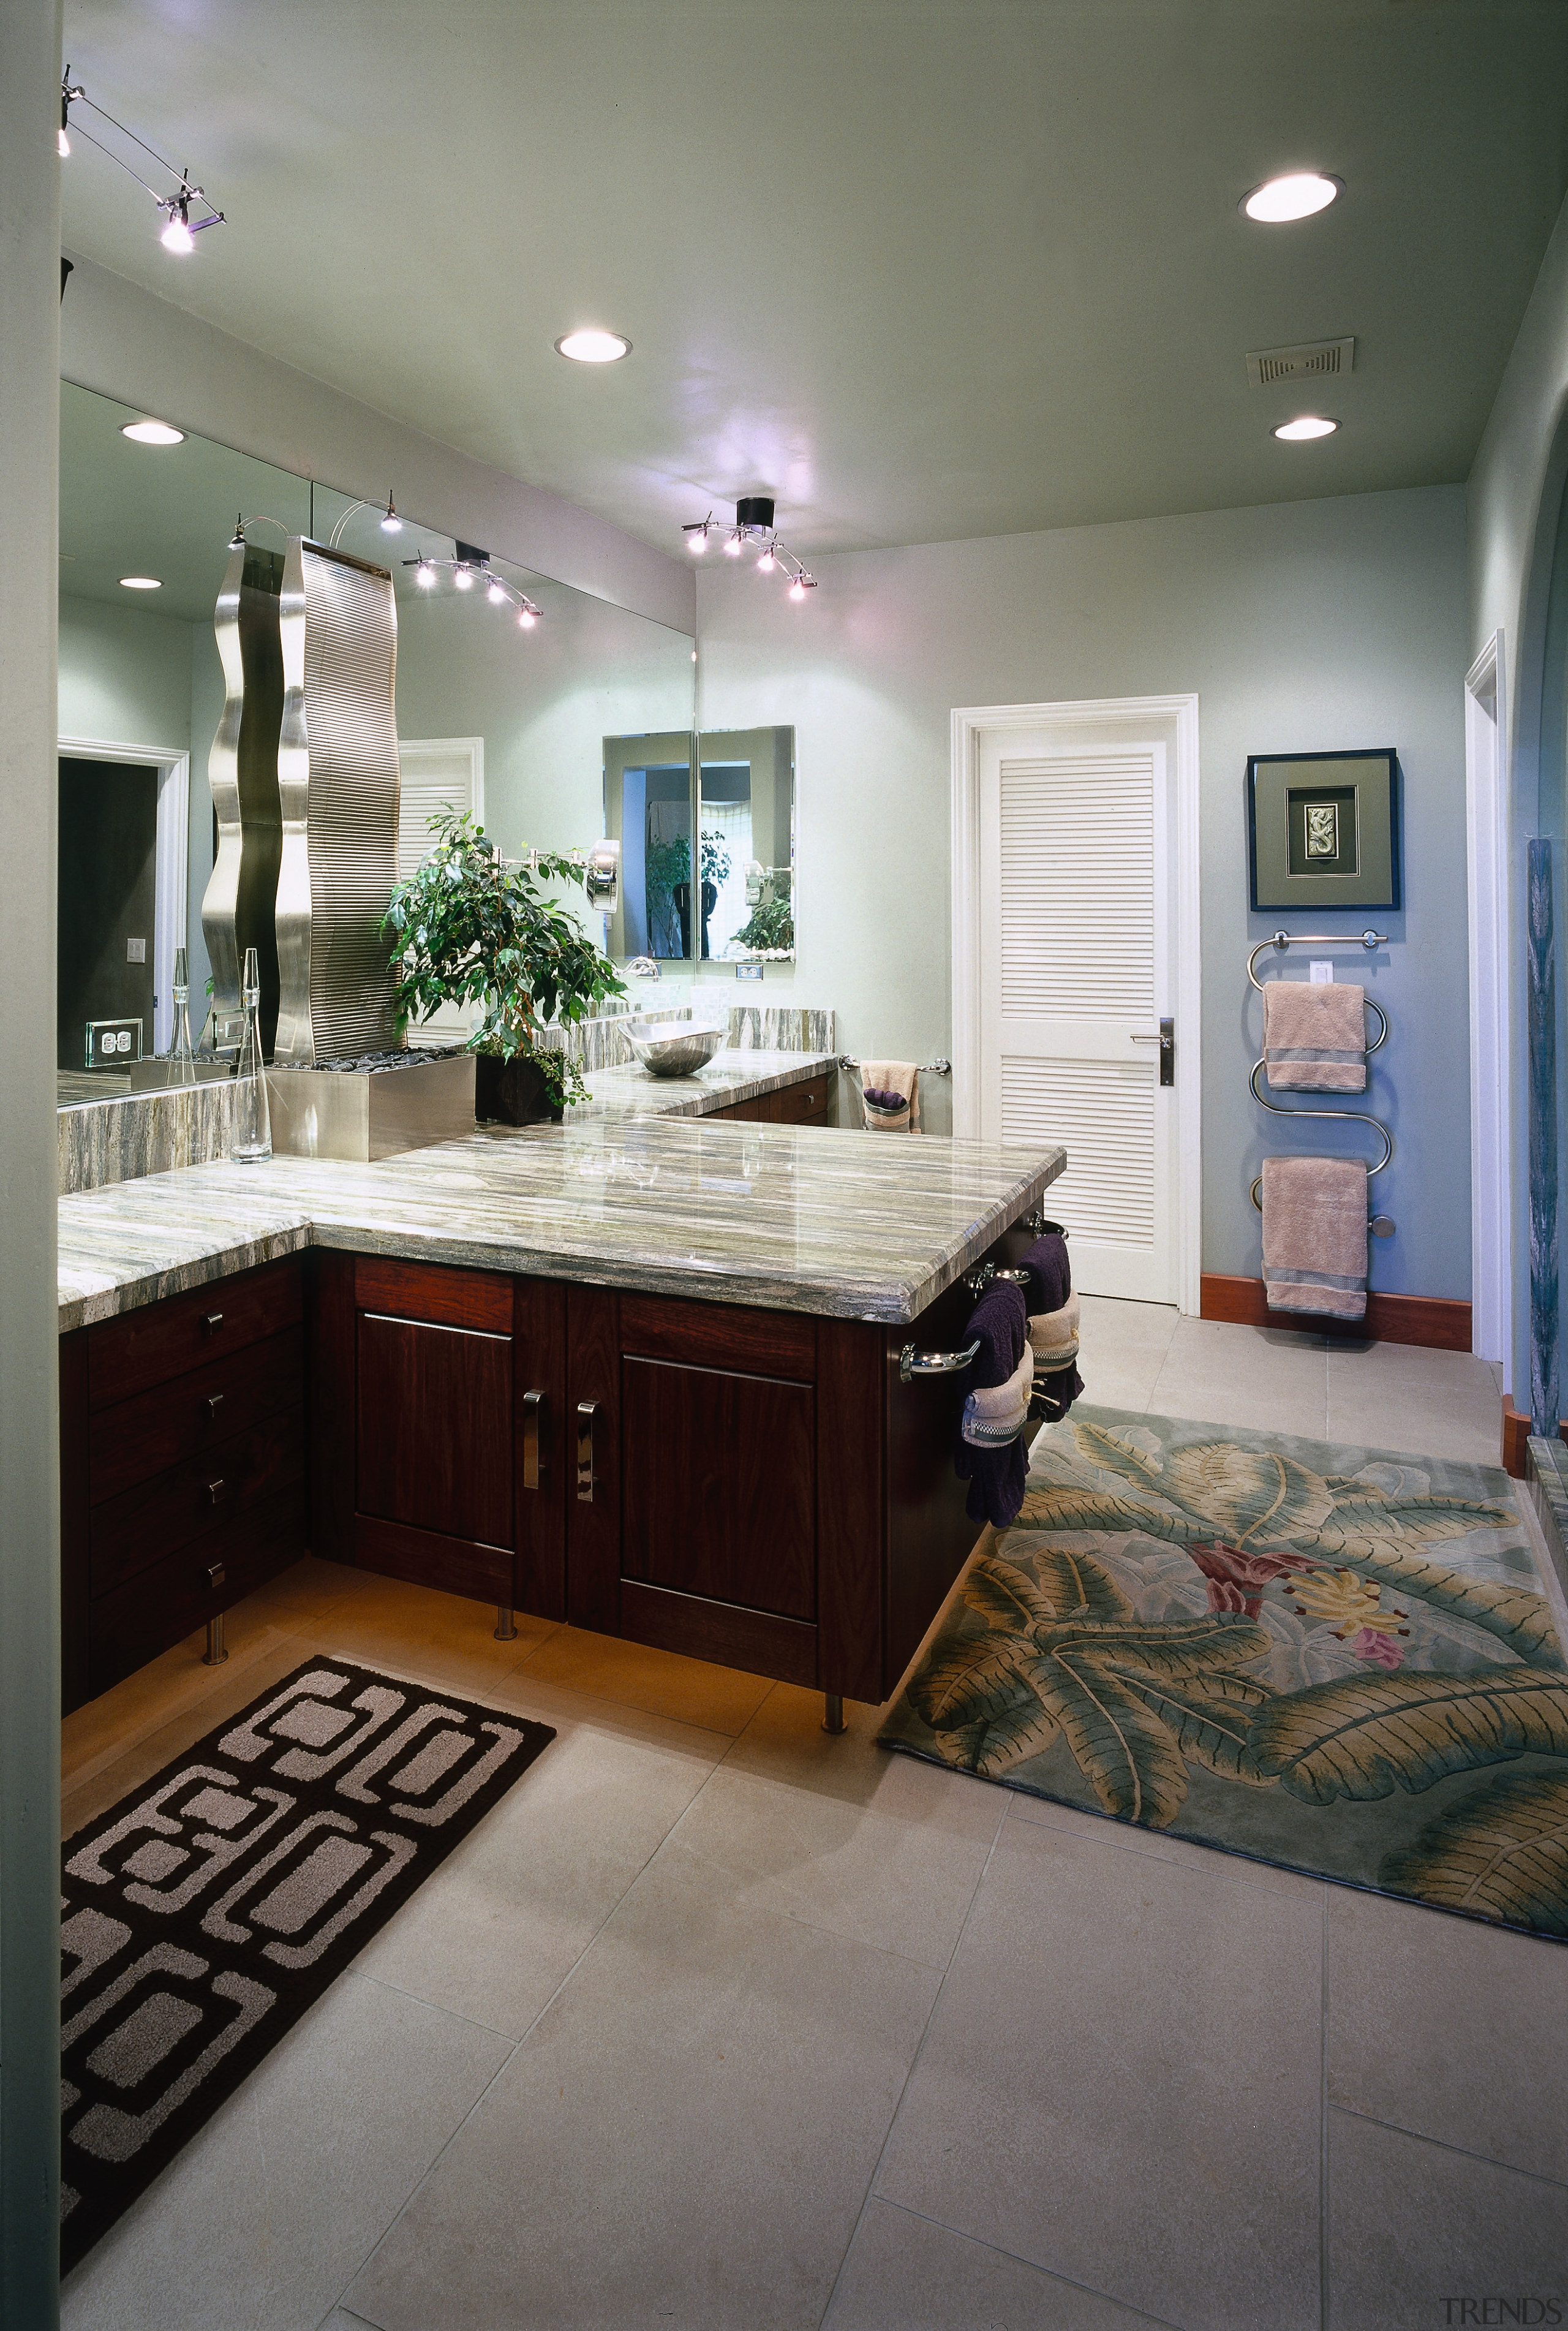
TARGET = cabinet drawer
(805,1104)
(154,1430)
(130,1532)
(179,1594)
(481,1299)
(146,1347)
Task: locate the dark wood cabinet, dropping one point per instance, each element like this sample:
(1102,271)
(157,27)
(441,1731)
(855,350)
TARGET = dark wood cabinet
(182,1443)
(758,1487)
(807,1103)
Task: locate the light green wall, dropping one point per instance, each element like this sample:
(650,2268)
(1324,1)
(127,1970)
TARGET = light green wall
(1304,626)
(124,675)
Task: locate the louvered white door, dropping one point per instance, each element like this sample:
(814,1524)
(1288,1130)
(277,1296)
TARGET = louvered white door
(1076,974)
(438,773)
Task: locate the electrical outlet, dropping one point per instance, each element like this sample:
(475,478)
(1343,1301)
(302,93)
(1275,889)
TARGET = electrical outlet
(749,971)
(113,1043)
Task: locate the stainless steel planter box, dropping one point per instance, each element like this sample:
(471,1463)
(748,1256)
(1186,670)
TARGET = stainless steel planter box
(366,1113)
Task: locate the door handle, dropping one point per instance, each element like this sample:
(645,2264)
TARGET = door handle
(535,1437)
(1166,1041)
(587,1410)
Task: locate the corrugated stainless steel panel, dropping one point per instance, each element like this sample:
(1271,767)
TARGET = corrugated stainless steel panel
(337,772)
(238,905)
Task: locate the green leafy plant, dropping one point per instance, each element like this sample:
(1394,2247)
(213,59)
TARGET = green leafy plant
(467,928)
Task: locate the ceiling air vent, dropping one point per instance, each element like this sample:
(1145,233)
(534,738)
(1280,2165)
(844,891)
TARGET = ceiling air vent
(1312,359)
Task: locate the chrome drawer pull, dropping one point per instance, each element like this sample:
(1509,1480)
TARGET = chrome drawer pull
(213,1322)
(536,1440)
(214,1402)
(587,1410)
(217,1576)
(217,1491)
(913,1363)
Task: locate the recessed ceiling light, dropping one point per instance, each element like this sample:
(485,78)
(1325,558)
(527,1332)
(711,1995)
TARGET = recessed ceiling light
(153,433)
(1296,197)
(141,583)
(1306,425)
(593,347)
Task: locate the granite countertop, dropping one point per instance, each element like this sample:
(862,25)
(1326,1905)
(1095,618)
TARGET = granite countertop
(805,1218)
(730,1077)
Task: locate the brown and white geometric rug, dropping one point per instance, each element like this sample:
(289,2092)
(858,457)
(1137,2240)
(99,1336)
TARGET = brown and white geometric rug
(202,1914)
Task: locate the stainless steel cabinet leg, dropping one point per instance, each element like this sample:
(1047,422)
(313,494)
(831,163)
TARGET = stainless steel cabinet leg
(215,1655)
(833,1712)
(505,1625)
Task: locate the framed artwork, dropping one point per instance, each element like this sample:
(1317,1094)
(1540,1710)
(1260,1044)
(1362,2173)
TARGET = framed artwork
(1322,829)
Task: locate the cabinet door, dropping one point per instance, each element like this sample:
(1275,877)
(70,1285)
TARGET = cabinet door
(434,1428)
(725,1486)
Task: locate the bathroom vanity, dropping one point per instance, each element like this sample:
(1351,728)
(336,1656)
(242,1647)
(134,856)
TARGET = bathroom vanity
(640,1374)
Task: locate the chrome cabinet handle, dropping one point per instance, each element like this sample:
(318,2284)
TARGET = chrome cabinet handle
(214,1402)
(587,1410)
(217,1576)
(217,1491)
(213,1322)
(535,1437)
(913,1363)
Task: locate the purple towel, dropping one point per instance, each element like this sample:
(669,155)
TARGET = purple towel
(1050,1285)
(995,1476)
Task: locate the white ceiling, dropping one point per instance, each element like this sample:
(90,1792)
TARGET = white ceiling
(924,271)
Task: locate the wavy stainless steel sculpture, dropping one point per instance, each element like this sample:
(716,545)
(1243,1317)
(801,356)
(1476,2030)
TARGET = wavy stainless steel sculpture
(338,783)
(237,907)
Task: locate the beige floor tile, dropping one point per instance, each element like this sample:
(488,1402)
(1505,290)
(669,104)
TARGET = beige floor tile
(1205,1862)
(687,2133)
(340,2319)
(495,1930)
(1122,2084)
(1482,2063)
(444,1640)
(895,1880)
(904,2274)
(1413,2224)
(1403,1396)
(720,1699)
(785,1741)
(1263,1379)
(262,2220)
(1123,1347)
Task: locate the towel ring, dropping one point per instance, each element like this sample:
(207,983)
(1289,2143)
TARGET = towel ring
(1358,1116)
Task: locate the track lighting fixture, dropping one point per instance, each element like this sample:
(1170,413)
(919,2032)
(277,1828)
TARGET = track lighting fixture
(471,566)
(753,524)
(390,523)
(179,230)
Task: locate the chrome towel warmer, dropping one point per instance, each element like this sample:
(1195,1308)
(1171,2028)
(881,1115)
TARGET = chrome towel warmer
(1380,1226)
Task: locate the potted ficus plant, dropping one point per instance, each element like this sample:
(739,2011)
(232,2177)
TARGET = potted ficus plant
(467,928)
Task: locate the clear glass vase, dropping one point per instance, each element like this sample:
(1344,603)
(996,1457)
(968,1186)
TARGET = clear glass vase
(182,1052)
(252,1118)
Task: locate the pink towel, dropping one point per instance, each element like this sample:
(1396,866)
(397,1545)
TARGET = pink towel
(1314,1038)
(893,1080)
(1315,1235)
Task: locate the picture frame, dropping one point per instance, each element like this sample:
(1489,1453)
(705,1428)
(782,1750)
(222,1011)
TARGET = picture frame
(1322,829)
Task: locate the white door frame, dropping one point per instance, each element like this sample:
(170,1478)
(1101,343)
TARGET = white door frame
(171,859)
(1133,713)
(1487,834)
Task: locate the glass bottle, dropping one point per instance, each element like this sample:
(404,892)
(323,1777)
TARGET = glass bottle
(252,1118)
(182,1052)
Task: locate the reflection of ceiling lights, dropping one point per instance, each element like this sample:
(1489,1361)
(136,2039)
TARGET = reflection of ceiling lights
(390,522)
(593,347)
(1298,195)
(753,528)
(179,230)
(141,583)
(471,566)
(1306,426)
(153,433)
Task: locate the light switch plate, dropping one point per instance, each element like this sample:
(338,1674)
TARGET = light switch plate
(1321,975)
(136,950)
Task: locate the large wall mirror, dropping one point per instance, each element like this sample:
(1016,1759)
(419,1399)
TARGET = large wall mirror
(732,901)
(507,721)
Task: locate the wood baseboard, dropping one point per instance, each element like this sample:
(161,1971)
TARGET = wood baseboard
(1515,1433)
(1436,1321)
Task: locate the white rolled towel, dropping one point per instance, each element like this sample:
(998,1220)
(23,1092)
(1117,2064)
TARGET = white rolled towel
(994,1417)
(1054,1335)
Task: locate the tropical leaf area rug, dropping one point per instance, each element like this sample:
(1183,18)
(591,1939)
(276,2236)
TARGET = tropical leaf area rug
(206,1911)
(1318,1656)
